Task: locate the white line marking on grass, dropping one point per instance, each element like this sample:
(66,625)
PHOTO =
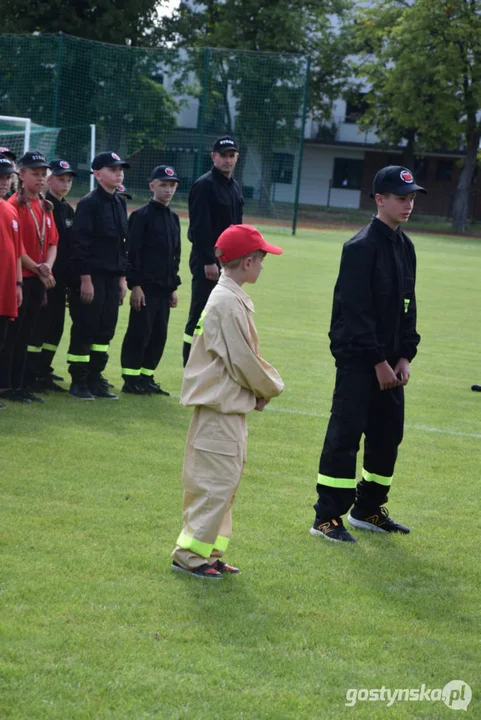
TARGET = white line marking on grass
(423,428)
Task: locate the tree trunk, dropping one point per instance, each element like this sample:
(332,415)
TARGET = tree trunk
(461,198)
(408,152)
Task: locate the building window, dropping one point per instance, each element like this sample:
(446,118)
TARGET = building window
(347,174)
(356,106)
(282,168)
(444,169)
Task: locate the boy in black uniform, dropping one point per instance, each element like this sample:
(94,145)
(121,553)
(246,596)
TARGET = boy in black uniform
(48,333)
(98,284)
(373,339)
(215,203)
(154,258)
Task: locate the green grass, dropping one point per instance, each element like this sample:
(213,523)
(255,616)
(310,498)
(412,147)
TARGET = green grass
(94,624)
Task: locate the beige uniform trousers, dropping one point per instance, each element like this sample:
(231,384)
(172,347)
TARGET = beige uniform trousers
(215,456)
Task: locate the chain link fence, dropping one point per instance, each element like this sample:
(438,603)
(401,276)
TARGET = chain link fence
(156,106)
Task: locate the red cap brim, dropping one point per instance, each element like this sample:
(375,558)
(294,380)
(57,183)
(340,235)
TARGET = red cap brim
(273,249)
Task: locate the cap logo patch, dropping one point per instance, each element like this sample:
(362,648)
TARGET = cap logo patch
(64,164)
(115,156)
(5,161)
(169,171)
(226,142)
(406,176)
(38,157)
(4,149)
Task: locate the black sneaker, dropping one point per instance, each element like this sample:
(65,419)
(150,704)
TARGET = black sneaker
(28,395)
(105,382)
(332,530)
(46,384)
(476,388)
(16,395)
(100,390)
(152,387)
(377,520)
(134,389)
(81,392)
(203,572)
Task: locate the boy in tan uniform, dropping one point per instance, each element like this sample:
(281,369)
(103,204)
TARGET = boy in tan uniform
(224,379)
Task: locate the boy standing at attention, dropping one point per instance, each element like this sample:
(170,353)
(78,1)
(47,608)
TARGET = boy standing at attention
(225,378)
(154,258)
(373,339)
(98,285)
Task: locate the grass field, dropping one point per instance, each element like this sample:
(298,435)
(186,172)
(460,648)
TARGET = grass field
(95,625)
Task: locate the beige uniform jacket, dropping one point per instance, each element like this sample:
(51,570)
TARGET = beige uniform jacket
(225,371)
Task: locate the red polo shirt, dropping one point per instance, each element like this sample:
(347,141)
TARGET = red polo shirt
(11,249)
(30,232)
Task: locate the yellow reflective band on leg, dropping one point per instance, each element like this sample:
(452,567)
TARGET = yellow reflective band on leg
(188,338)
(221,543)
(145,371)
(52,348)
(406,304)
(78,358)
(34,348)
(99,348)
(336,482)
(372,477)
(189,543)
(200,325)
(130,371)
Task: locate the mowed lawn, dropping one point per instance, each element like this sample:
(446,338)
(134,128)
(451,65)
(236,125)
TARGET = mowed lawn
(95,625)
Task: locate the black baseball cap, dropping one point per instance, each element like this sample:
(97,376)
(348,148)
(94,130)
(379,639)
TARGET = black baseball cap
(6,166)
(108,159)
(62,167)
(224,144)
(8,153)
(164,172)
(122,190)
(33,159)
(397,180)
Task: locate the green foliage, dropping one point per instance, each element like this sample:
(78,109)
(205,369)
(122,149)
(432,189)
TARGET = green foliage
(116,21)
(422,63)
(94,624)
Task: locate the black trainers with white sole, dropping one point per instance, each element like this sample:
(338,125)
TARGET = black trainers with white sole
(376,520)
(332,530)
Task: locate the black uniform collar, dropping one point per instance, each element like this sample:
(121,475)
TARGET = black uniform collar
(220,176)
(50,196)
(385,230)
(157,204)
(106,195)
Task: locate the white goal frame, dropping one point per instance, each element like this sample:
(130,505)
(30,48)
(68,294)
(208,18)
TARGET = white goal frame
(28,128)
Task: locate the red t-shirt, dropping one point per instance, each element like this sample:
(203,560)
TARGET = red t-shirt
(11,249)
(30,233)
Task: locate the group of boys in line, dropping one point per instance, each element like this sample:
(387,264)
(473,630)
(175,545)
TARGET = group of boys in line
(96,253)
(88,258)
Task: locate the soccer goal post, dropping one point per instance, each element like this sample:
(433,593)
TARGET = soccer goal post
(17,127)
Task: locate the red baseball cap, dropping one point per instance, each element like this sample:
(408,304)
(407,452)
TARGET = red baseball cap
(240,240)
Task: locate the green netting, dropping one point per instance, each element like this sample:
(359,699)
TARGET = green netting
(164,106)
(12,135)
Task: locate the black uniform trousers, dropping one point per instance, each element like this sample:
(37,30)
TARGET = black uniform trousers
(93,327)
(146,335)
(13,358)
(47,333)
(359,407)
(201,289)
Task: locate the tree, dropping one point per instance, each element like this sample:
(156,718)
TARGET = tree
(268,89)
(422,62)
(116,21)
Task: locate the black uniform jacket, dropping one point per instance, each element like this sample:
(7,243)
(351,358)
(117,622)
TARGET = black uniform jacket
(374,307)
(63,214)
(215,203)
(100,234)
(154,247)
